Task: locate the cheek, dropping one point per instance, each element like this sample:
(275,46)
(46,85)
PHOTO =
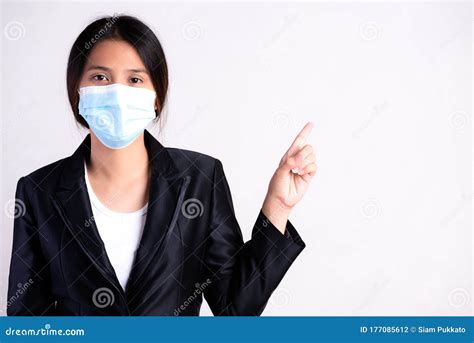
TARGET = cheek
(148,85)
(85,81)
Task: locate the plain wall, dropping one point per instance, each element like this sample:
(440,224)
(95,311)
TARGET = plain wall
(387,220)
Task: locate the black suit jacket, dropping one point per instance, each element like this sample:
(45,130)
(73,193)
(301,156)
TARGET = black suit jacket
(191,245)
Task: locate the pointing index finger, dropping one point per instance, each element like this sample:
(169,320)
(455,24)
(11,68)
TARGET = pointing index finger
(300,139)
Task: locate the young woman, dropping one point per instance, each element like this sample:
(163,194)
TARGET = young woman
(126,226)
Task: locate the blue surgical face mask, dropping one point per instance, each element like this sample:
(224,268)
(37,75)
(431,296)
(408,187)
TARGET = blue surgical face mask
(117,114)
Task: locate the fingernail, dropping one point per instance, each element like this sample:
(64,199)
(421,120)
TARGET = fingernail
(295,170)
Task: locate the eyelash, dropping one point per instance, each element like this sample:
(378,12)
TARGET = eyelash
(139,80)
(95,78)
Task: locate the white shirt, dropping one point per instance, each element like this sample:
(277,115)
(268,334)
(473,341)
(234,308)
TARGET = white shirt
(120,231)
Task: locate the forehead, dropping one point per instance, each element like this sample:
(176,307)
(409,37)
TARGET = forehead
(115,54)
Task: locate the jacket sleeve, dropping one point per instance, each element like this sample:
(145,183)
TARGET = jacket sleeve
(29,285)
(241,276)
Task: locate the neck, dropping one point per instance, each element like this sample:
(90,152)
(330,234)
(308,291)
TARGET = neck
(119,165)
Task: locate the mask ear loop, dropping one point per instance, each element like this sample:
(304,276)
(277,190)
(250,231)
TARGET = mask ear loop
(78,99)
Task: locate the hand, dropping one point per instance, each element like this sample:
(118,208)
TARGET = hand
(291,179)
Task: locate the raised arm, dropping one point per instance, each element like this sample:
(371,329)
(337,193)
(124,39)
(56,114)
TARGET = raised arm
(243,276)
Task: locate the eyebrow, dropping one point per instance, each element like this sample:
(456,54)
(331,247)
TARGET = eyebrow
(98,67)
(139,70)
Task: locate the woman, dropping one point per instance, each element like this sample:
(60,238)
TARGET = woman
(125,226)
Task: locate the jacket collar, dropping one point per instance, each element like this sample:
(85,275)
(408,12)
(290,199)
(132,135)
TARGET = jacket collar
(160,159)
(166,195)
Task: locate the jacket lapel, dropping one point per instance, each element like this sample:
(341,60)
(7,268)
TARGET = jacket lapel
(72,202)
(165,198)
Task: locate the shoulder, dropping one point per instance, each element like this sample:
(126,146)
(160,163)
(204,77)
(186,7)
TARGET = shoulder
(189,161)
(43,178)
(186,161)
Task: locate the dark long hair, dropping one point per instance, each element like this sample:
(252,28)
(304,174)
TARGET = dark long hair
(125,28)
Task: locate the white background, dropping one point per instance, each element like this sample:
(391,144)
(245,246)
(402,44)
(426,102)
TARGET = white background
(387,221)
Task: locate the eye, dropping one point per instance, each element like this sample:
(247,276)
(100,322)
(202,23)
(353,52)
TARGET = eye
(136,80)
(99,77)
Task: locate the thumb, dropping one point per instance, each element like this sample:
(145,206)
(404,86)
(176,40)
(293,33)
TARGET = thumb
(289,164)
